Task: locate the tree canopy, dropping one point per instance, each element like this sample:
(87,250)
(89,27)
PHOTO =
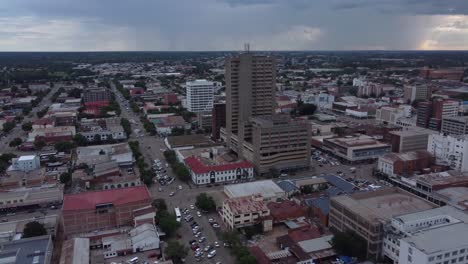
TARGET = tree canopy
(27,126)
(34,229)
(176,251)
(167,222)
(15,142)
(64,146)
(205,202)
(8,126)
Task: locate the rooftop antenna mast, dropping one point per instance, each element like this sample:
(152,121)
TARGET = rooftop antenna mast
(247,47)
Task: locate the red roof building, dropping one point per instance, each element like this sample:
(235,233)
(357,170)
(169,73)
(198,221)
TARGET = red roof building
(285,210)
(304,233)
(205,173)
(90,211)
(198,166)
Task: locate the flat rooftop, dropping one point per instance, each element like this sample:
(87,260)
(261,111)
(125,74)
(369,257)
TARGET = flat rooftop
(414,131)
(435,212)
(383,204)
(246,205)
(267,188)
(357,141)
(189,141)
(442,178)
(444,238)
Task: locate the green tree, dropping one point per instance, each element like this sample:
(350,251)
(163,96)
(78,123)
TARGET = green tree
(306,109)
(16,142)
(39,144)
(182,172)
(205,202)
(34,229)
(168,223)
(80,140)
(127,127)
(26,110)
(159,204)
(66,178)
(64,146)
(176,251)
(8,126)
(247,259)
(42,112)
(5,161)
(27,126)
(349,243)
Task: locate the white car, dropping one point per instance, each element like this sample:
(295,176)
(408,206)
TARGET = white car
(212,253)
(192,206)
(216,244)
(198,214)
(180,187)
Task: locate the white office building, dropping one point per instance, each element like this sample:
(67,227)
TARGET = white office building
(321,100)
(26,163)
(435,236)
(450,150)
(200,94)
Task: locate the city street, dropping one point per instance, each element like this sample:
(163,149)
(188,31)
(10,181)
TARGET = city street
(152,147)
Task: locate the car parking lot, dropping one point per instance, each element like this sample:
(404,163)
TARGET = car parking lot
(201,234)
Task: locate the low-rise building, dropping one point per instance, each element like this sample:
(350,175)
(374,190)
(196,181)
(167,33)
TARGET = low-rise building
(165,125)
(139,239)
(75,251)
(393,164)
(36,250)
(203,173)
(30,197)
(367,213)
(99,210)
(356,148)
(26,163)
(102,128)
(52,135)
(119,153)
(269,190)
(431,236)
(214,165)
(246,211)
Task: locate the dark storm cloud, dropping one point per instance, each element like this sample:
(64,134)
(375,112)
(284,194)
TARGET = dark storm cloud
(226,24)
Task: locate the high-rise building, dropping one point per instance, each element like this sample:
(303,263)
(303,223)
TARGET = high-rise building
(250,91)
(424,113)
(96,95)
(455,125)
(430,114)
(417,92)
(252,130)
(200,94)
(442,108)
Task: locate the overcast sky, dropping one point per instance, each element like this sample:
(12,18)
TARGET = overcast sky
(105,25)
